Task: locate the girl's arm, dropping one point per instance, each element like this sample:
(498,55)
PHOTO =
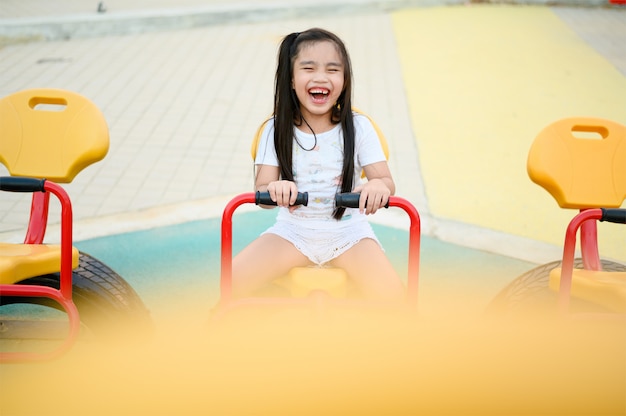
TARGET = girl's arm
(284,193)
(376,191)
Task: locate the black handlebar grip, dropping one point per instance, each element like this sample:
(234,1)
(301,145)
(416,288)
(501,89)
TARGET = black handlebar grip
(349,200)
(263,198)
(20,184)
(616,215)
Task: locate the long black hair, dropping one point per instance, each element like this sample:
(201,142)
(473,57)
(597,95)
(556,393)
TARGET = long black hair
(287,107)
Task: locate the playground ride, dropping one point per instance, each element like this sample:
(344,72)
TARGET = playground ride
(47,137)
(581,162)
(311,287)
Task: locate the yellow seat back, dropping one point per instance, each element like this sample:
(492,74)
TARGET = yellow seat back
(581,162)
(51,134)
(381,137)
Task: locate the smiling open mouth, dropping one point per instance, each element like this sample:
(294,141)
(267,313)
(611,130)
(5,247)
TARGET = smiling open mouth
(319,95)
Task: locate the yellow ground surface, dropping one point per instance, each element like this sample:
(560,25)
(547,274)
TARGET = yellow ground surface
(481,82)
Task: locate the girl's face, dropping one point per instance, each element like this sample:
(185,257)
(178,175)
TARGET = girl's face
(318,78)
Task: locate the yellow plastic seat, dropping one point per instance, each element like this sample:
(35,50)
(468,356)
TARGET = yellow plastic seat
(21,261)
(301,281)
(600,287)
(581,162)
(51,134)
(47,136)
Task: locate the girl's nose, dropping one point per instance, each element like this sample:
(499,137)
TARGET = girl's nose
(319,75)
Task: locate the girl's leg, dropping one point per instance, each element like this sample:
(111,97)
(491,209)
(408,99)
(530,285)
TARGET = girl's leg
(265,259)
(368,266)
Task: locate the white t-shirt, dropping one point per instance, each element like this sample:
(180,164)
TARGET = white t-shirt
(318,171)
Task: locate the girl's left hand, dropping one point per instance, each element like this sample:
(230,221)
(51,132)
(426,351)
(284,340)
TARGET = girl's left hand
(374,195)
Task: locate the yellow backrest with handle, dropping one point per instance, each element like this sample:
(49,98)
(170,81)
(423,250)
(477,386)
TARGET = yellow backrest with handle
(581,162)
(51,134)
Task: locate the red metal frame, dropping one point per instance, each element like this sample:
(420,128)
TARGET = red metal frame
(226,301)
(38,218)
(63,295)
(586,222)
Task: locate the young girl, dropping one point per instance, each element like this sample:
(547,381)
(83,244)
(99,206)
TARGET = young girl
(316,144)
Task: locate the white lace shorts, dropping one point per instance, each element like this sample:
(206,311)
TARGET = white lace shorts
(321,246)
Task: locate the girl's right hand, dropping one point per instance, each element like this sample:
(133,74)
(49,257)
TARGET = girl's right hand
(284,193)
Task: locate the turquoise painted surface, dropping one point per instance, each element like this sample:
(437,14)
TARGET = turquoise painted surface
(164,262)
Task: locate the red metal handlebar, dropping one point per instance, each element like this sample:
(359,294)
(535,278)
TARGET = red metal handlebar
(247,198)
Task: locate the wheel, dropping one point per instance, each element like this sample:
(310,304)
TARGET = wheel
(107,304)
(530,292)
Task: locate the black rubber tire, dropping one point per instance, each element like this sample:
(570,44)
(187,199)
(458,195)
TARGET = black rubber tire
(530,292)
(107,304)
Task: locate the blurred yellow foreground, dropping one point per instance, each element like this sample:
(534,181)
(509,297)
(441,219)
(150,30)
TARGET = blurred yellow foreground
(342,363)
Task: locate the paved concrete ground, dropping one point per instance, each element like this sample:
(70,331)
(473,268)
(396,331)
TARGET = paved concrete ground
(182,103)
